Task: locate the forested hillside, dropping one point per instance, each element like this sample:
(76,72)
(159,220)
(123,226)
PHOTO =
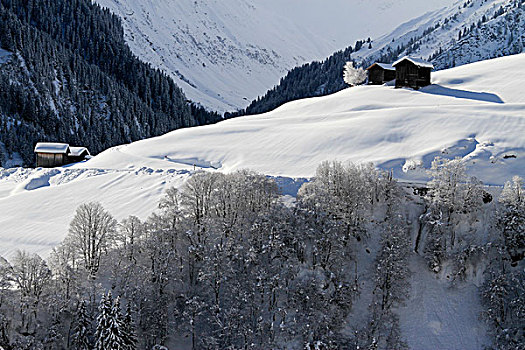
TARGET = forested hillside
(67,75)
(466,32)
(225,264)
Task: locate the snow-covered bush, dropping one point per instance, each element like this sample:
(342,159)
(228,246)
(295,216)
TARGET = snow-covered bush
(353,76)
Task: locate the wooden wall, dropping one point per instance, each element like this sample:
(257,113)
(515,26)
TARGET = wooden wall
(50,160)
(410,75)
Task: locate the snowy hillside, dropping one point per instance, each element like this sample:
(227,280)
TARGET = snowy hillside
(226,53)
(465,32)
(474,111)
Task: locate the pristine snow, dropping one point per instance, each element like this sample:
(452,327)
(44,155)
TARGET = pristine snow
(452,19)
(473,111)
(225,53)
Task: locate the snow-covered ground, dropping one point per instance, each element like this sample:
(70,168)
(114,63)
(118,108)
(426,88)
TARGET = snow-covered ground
(225,53)
(475,111)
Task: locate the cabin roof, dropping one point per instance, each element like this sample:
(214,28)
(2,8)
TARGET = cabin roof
(51,147)
(417,61)
(384,66)
(77,151)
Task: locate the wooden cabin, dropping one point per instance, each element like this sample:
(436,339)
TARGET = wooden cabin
(412,72)
(380,73)
(52,154)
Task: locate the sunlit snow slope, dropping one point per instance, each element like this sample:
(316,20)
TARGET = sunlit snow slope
(225,53)
(476,112)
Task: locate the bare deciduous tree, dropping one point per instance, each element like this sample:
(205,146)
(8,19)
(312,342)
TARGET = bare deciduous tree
(91,232)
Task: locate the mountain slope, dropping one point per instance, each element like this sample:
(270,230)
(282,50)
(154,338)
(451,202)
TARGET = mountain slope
(465,32)
(226,53)
(476,112)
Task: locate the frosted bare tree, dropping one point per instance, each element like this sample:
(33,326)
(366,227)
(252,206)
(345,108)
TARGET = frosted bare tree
(30,274)
(353,76)
(91,232)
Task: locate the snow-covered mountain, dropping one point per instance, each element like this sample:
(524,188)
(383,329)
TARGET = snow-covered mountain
(474,112)
(225,53)
(465,32)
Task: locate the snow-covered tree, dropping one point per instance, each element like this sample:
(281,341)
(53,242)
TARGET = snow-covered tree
(91,232)
(110,333)
(503,296)
(128,330)
(128,236)
(513,218)
(353,76)
(65,276)
(452,198)
(82,332)
(31,275)
(6,278)
(103,331)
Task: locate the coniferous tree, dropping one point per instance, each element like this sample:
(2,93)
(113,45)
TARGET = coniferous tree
(82,333)
(87,86)
(128,330)
(103,335)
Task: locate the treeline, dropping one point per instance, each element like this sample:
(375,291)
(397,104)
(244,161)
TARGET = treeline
(224,263)
(71,77)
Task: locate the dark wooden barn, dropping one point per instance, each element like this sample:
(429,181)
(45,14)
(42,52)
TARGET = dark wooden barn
(412,72)
(380,73)
(51,154)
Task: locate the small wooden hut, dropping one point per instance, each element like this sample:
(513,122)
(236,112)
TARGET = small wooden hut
(52,154)
(380,73)
(412,72)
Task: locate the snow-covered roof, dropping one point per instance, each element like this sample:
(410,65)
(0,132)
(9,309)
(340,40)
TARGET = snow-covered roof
(77,151)
(51,147)
(417,61)
(385,66)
